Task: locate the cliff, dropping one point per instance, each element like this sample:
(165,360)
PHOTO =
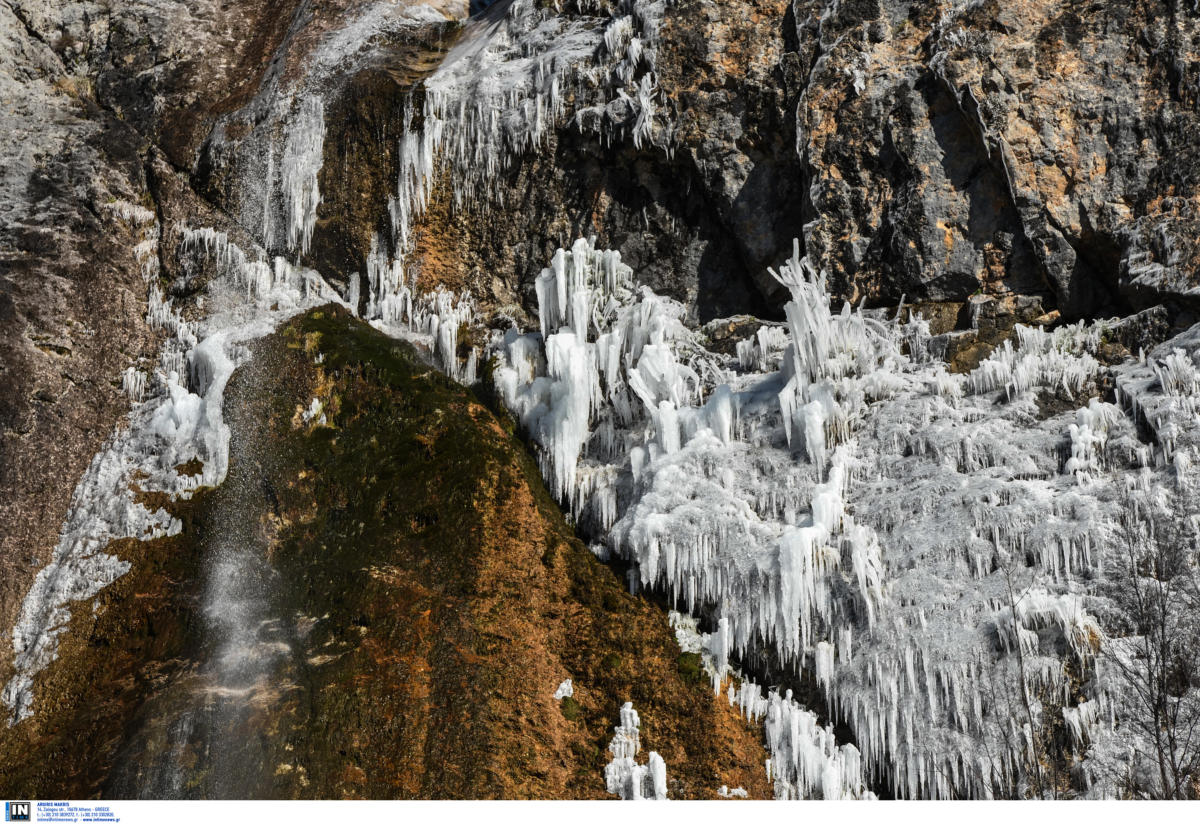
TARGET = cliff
(164,165)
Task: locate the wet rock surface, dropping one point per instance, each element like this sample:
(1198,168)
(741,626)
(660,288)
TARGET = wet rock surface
(103,109)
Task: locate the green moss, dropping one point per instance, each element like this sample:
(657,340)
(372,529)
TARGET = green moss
(400,451)
(588,755)
(570,708)
(610,662)
(691,668)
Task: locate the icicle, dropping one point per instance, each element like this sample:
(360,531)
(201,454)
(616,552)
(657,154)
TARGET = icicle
(302,159)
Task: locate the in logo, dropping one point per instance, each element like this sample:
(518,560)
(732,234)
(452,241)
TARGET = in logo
(16,811)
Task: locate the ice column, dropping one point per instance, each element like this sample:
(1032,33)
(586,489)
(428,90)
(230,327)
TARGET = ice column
(623,775)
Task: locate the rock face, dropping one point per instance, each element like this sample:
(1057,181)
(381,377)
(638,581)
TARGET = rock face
(932,150)
(993,162)
(104,108)
(426,594)
(1038,148)
(1089,114)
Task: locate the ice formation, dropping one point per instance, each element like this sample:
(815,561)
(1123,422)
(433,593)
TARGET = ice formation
(805,761)
(565,690)
(500,92)
(929,547)
(302,157)
(623,775)
(315,412)
(932,549)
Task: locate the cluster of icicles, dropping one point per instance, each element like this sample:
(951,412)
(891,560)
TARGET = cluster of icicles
(923,543)
(805,760)
(500,92)
(623,776)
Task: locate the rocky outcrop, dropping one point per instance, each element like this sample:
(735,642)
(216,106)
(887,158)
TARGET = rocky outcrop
(928,150)
(72,299)
(1030,148)
(699,213)
(1090,111)
(105,108)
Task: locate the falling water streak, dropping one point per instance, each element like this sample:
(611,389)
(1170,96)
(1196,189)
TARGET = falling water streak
(209,747)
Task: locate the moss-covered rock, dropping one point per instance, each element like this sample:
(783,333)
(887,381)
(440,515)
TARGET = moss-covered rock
(451,598)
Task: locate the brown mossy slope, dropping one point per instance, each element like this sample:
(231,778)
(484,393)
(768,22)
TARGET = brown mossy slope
(448,599)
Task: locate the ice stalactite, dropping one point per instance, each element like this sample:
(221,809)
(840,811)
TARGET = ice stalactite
(440,316)
(433,320)
(593,330)
(133,383)
(1081,720)
(1163,391)
(623,776)
(303,153)
(931,547)
(762,352)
